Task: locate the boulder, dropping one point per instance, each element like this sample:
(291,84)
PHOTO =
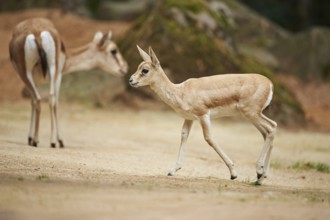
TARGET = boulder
(306,54)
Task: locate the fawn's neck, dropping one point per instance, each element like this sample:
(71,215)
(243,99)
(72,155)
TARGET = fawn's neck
(169,92)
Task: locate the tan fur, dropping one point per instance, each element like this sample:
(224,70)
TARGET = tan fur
(213,96)
(96,54)
(16,46)
(248,92)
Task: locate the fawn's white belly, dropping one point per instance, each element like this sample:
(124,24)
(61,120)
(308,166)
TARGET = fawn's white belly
(220,111)
(186,114)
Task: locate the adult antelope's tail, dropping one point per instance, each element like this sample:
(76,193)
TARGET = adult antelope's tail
(43,58)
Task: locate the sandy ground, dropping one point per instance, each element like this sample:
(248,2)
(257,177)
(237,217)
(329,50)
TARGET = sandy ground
(115,166)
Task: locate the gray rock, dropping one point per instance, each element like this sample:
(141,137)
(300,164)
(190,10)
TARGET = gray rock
(205,20)
(223,9)
(306,54)
(123,9)
(178,16)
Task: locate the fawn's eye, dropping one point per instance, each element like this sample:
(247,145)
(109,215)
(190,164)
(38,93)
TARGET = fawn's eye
(113,52)
(144,71)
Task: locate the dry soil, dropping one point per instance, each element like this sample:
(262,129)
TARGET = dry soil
(115,163)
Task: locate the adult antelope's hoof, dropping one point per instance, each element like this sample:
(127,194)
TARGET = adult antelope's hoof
(52,145)
(233,177)
(30,141)
(34,143)
(61,143)
(170,174)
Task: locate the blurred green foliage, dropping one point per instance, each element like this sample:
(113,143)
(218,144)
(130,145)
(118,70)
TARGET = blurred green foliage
(93,6)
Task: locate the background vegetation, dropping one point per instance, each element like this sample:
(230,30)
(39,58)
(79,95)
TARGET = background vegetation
(195,38)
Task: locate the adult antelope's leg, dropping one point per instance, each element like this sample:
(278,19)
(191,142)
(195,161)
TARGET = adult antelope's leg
(184,136)
(35,114)
(206,126)
(32,121)
(31,141)
(31,57)
(48,45)
(52,104)
(57,93)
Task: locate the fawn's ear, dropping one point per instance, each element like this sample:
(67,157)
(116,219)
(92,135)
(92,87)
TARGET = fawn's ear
(153,57)
(143,54)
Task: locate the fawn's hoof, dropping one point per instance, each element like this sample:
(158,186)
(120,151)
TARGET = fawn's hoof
(233,177)
(260,179)
(257,183)
(259,175)
(52,145)
(170,174)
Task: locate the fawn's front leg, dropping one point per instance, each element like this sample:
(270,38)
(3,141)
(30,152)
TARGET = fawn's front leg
(184,136)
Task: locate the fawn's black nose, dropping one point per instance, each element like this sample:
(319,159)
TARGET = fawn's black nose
(130,80)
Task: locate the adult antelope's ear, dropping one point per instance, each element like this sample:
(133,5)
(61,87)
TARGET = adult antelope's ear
(98,37)
(143,54)
(153,57)
(109,35)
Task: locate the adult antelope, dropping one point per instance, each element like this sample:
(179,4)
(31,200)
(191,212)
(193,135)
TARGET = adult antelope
(209,97)
(38,54)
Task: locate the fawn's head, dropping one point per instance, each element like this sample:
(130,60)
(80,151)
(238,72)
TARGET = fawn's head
(147,70)
(108,56)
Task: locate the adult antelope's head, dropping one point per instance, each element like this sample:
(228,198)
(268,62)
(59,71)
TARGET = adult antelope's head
(109,57)
(147,71)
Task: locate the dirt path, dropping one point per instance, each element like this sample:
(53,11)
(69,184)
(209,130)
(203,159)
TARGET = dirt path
(115,166)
